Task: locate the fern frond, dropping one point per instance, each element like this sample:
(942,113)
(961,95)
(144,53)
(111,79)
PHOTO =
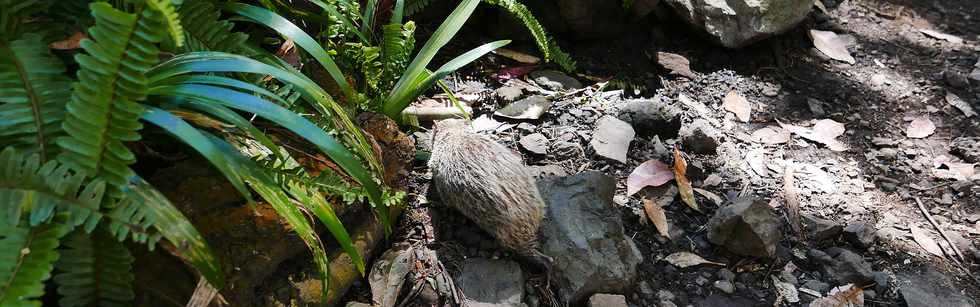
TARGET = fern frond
(40,191)
(95,270)
(104,110)
(204,31)
(546,45)
(33,92)
(397,44)
(13,14)
(27,255)
(171,18)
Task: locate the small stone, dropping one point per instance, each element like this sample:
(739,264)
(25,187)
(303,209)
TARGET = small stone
(607,300)
(567,150)
(491,281)
(817,285)
(888,153)
(879,80)
(611,138)
(821,229)
(882,281)
(842,266)
(510,93)
(725,286)
(859,233)
(701,281)
(747,227)
(956,79)
(816,107)
(535,143)
(967,148)
(664,295)
(887,186)
(555,80)
(870,294)
(726,274)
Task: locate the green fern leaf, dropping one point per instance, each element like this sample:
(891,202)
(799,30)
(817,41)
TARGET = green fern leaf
(398,42)
(547,46)
(33,91)
(95,270)
(40,191)
(14,13)
(104,110)
(171,18)
(27,255)
(204,32)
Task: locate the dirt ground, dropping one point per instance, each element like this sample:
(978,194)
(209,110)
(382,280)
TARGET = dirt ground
(900,74)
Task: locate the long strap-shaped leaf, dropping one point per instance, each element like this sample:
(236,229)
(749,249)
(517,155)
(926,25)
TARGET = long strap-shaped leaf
(402,93)
(208,62)
(104,108)
(291,31)
(33,88)
(27,255)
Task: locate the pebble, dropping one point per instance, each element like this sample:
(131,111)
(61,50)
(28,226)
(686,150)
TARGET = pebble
(725,286)
(701,281)
(726,274)
(535,143)
(816,285)
(956,79)
(664,295)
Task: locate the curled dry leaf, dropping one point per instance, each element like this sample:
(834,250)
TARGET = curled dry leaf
(920,127)
(786,290)
(676,63)
(960,104)
(825,131)
(832,45)
(712,196)
(844,296)
(925,241)
(656,215)
(684,185)
(517,56)
(687,259)
(943,36)
(649,174)
(792,196)
(735,103)
(770,135)
(756,159)
(72,42)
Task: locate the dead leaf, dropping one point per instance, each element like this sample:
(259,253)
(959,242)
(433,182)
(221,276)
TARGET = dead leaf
(785,289)
(684,185)
(791,194)
(943,36)
(920,127)
(656,215)
(517,56)
(687,259)
(712,196)
(843,296)
(958,171)
(925,241)
(832,45)
(756,160)
(508,73)
(676,63)
(528,108)
(820,6)
(649,174)
(72,42)
(959,103)
(770,135)
(735,103)
(825,131)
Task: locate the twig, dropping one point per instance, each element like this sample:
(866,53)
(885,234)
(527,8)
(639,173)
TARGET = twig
(948,241)
(792,201)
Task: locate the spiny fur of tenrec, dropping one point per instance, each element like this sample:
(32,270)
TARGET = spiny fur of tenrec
(490,185)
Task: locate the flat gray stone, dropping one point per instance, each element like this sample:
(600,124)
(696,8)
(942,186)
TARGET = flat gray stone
(555,80)
(492,282)
(747,227)
(930,288)
(611,138)
(535,143)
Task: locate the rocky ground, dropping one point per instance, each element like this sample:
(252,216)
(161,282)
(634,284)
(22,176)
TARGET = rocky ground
(809,172)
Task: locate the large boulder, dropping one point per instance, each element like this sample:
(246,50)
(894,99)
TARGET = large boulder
(736,23)
(583,233)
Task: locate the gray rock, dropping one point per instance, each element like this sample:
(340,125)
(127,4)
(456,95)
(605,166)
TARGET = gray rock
(583,232)
(736,23)
(725,286)
(819,229)
(490,282)
(726,274)
(967,148)
(528,108)
(555,80)
(882,281)
(567,150)
(535,143)
(747,227)
(889,154)
(974,76)
(607,300)
(357,304)
(700,137)
(652,117)
(860,233)
(841,266)
(611,138)
(931,288)
(664,295)
(955,79)
(817,285)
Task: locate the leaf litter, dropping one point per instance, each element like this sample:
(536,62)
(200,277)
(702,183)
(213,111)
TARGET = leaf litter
(649,174)
(825,131)
(684,185)
(832,45)
(657,216)
(844,296)
(688,259)
(735,103)
(920,127)
(925,241)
